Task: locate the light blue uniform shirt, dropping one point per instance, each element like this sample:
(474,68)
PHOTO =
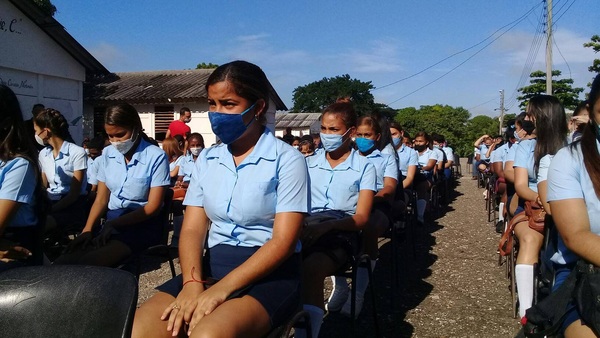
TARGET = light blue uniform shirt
(176,163)
(449,153)
(524,159)
(130,183)
(407,156)
(483,149)
(17,183)
(186,167)
(543,169)
(92,170)
(59,171)
(569,179)
(338,188)
(242,201)
(440,155)
(499,154)
(424,158)
(385,166)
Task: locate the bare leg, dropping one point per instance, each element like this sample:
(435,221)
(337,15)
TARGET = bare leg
(378,223)
(238,317)
(147,321)
(578,330)
(315,268)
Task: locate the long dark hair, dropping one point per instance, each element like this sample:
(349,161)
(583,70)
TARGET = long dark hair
(14,139)
(126,116)
(550,126)
(55,121)
(591,157)
(248,80)
(15,142)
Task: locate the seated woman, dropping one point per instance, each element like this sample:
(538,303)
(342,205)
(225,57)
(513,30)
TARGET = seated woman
(132,178)
(482,155)
(343,184)
(195,147)
(174,155)
(573,190)
(546,116)
(257,208)
(21,194)
(498,158)
(407,157)
(368,135)
(64,166)
(424,179)
(94,150)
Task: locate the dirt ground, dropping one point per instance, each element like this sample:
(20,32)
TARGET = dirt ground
(450,286)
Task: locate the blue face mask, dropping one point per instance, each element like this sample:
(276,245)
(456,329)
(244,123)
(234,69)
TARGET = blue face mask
(396,141)
(229,127)
(332,142)
(364,144)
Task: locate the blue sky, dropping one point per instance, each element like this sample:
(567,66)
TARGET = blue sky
(298,42)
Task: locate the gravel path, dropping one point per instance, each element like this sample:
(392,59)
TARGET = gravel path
(451,287)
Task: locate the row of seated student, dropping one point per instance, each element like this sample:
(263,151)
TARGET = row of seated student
(256,210)
(548,161)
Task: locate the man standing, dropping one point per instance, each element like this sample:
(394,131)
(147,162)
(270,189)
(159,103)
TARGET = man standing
(179,127)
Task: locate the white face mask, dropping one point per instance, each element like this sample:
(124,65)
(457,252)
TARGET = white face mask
(124,146)
(39,140)
(196,151)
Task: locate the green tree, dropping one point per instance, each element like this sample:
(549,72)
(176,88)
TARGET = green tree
(594,44)
(315,96)
(563,89)
(206,66)
(442,119)
(46,6)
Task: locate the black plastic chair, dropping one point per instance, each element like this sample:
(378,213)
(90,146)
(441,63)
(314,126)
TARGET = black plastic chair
(67,301)
(161,249)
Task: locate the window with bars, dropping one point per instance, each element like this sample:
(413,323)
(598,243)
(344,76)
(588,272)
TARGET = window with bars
(163,116)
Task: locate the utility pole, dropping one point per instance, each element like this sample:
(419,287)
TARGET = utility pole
(501,110)
(549,48)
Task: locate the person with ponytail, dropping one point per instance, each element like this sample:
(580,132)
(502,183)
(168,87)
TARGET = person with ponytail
(64,171)
(368,135)
(245,208)
(574,198)
(133,176)
(343,185)
(408,159)
(21,193)
(545,125)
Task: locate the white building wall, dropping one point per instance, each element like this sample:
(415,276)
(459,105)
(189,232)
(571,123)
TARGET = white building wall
(38,70)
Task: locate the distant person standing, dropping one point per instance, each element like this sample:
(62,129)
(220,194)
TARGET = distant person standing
(37,108)
(288,137)
(180,127)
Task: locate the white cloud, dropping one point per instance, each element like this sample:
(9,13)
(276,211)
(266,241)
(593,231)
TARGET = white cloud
(108,54)
(380,57)
(517,46)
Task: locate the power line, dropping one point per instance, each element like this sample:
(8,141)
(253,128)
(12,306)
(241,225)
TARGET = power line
(460,52)
(532,55)
(561,54)
(481,104)
(563,13)
(460,64)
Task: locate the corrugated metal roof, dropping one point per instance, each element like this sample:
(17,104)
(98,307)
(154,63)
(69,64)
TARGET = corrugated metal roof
(157,87)
(296,120)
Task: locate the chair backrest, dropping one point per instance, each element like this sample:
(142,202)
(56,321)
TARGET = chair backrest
(67,301)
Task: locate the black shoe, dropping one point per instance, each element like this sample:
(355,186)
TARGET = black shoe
(500,227)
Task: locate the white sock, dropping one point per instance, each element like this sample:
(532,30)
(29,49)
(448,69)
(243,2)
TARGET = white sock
(362,279)
(524,280)
(501,212)
(421,205)
(316,318)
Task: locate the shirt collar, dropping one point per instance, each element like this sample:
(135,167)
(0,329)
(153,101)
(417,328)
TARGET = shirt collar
(351,163)
(136,157)
(265,148)
(374,153)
